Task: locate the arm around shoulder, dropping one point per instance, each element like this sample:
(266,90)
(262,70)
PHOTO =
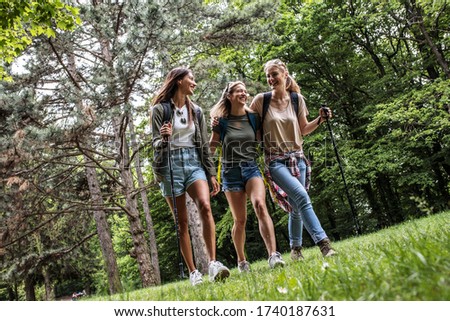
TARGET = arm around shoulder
(256,104)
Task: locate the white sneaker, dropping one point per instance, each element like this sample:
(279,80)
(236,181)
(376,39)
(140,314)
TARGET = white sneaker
(275,260)
(217,271)
(244,266)
(195,277)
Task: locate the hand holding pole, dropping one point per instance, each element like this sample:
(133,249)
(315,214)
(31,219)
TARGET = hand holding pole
(166,132)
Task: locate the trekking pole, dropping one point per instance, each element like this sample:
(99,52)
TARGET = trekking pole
(352,208)
(174,206)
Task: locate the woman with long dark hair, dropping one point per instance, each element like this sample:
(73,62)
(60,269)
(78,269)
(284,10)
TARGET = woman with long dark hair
(191,164)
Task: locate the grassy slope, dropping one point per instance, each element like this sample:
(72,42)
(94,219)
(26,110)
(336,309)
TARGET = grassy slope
(410,261)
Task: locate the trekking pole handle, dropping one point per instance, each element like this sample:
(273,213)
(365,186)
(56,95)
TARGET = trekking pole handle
(325,110)
(166,136)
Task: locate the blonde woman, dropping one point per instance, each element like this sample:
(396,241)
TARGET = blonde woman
(286,166)
(237,129)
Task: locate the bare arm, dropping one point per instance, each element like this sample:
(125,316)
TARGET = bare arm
(214,142)
(307,127)
(256,105)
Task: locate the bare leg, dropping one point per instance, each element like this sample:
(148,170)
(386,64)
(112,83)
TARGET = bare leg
(199,192)
(257,194)
(185,239)
(237,202)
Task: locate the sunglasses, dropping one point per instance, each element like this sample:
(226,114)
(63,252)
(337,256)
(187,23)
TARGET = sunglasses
(179,114)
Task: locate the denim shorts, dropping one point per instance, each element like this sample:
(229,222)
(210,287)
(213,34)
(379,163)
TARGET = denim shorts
(186,167)
(235,177)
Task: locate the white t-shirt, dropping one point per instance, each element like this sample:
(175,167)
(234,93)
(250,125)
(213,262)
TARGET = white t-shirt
(183,133)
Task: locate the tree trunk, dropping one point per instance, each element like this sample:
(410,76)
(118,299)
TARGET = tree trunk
(380,215)
(435,165)
(127,184)
(329,213)
(11,294)
(415,18)
(196,231)
(103,231)
(395,201)
(30,295)
(49,293)
(144,198)
(137,231)
(418,17)
(389,199)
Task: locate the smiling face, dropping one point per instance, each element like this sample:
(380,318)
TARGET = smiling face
(276,77)
(187,84)
(238,95)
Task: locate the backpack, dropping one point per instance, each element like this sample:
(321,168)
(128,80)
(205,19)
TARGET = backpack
(266,103)
(167,112)
(223,124)
(158,159)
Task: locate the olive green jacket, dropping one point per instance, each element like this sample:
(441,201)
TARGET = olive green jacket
(201,141)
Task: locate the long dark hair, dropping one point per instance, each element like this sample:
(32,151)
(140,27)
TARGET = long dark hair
(170,87)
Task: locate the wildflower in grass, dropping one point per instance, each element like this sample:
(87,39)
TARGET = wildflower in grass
(282,290)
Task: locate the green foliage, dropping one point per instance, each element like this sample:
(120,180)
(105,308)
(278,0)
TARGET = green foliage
(415,134)
(21,21)
(123,247)
(351,58)
(369,61)
(410,261)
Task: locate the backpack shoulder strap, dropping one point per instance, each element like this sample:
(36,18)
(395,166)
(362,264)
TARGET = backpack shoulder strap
(198,113)
(294,100)
(253,122)
(167,112)
(266,104)
(223,124)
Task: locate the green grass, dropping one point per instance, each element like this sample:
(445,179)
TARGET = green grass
(407,262)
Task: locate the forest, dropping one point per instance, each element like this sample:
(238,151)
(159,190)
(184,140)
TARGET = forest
(79,208)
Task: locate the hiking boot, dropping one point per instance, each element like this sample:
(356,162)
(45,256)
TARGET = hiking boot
(296,253)
(217,271)
(325,247)
(195,277)
(275,260)
(244,266)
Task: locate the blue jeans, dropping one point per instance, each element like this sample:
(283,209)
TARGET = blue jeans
(234,178)
(186,167)
(302,210)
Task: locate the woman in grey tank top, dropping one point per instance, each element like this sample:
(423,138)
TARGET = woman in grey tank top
(236,128)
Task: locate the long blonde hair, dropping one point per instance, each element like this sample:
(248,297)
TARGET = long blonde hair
(291,84)
(223,107)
